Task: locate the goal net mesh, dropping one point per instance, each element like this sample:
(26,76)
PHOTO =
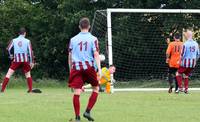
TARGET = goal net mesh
(139,42)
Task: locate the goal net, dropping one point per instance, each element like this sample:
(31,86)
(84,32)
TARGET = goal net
(134,40)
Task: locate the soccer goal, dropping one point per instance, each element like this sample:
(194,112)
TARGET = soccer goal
(134,40)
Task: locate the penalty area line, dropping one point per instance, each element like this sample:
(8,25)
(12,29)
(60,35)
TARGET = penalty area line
(143,89)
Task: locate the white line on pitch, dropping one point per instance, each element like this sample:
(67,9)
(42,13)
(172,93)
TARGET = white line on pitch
(143,89)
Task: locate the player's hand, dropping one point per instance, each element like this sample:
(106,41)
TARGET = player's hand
(99,75)
(83,89)
(179,62)
(168,40)
(167,60)
(32,65)
(11,57)
(70,68)
(114,81)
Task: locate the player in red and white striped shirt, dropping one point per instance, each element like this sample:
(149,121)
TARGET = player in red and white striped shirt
(23,58)
(189,57)
(83,52)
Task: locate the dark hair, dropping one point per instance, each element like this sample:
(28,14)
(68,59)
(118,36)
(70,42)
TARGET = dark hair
(84,23)
(177,36)
(22,31)
(112,65)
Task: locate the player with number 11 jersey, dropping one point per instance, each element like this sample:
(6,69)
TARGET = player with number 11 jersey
(82,47)
(83,52)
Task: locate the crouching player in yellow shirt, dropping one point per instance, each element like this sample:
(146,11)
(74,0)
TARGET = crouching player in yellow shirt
(105,80)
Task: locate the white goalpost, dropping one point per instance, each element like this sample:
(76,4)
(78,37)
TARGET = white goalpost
(154,27)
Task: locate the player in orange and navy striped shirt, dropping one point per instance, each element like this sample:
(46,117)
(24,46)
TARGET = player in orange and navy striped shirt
(173,55)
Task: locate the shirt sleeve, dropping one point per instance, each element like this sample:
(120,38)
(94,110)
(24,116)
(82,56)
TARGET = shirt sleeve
(95,45)
(183,51)
(70,46)
(106,74)
(10,47)
(31,57)
(169,49)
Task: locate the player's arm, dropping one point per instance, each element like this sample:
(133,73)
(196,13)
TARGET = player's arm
(198,55)
(168,41)
(31,56)
(70,60)
(97,59)
(183,51)
(70,55)
(168,53)
(10,46)
(96,56)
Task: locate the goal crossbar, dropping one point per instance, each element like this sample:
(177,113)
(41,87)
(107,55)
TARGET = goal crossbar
(118,10)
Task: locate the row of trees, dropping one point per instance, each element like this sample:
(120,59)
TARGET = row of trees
(51,24)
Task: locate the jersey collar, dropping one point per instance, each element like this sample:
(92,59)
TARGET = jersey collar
(21,36)
(84,32)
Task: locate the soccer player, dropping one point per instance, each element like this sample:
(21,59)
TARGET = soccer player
(173,55)
(189,57)
(23,58)
(83,51)
(105,78)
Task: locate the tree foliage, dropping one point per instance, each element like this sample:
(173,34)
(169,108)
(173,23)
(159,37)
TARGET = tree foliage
(51,23)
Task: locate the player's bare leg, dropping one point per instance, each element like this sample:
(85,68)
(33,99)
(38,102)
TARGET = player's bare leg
(91,103)
(6,79)
(29,81)
(76,103)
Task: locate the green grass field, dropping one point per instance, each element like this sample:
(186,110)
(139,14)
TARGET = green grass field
(54,105)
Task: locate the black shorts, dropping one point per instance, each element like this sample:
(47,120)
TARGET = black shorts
(172,70)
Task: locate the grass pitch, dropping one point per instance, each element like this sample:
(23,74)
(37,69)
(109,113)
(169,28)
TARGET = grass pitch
(55,105)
